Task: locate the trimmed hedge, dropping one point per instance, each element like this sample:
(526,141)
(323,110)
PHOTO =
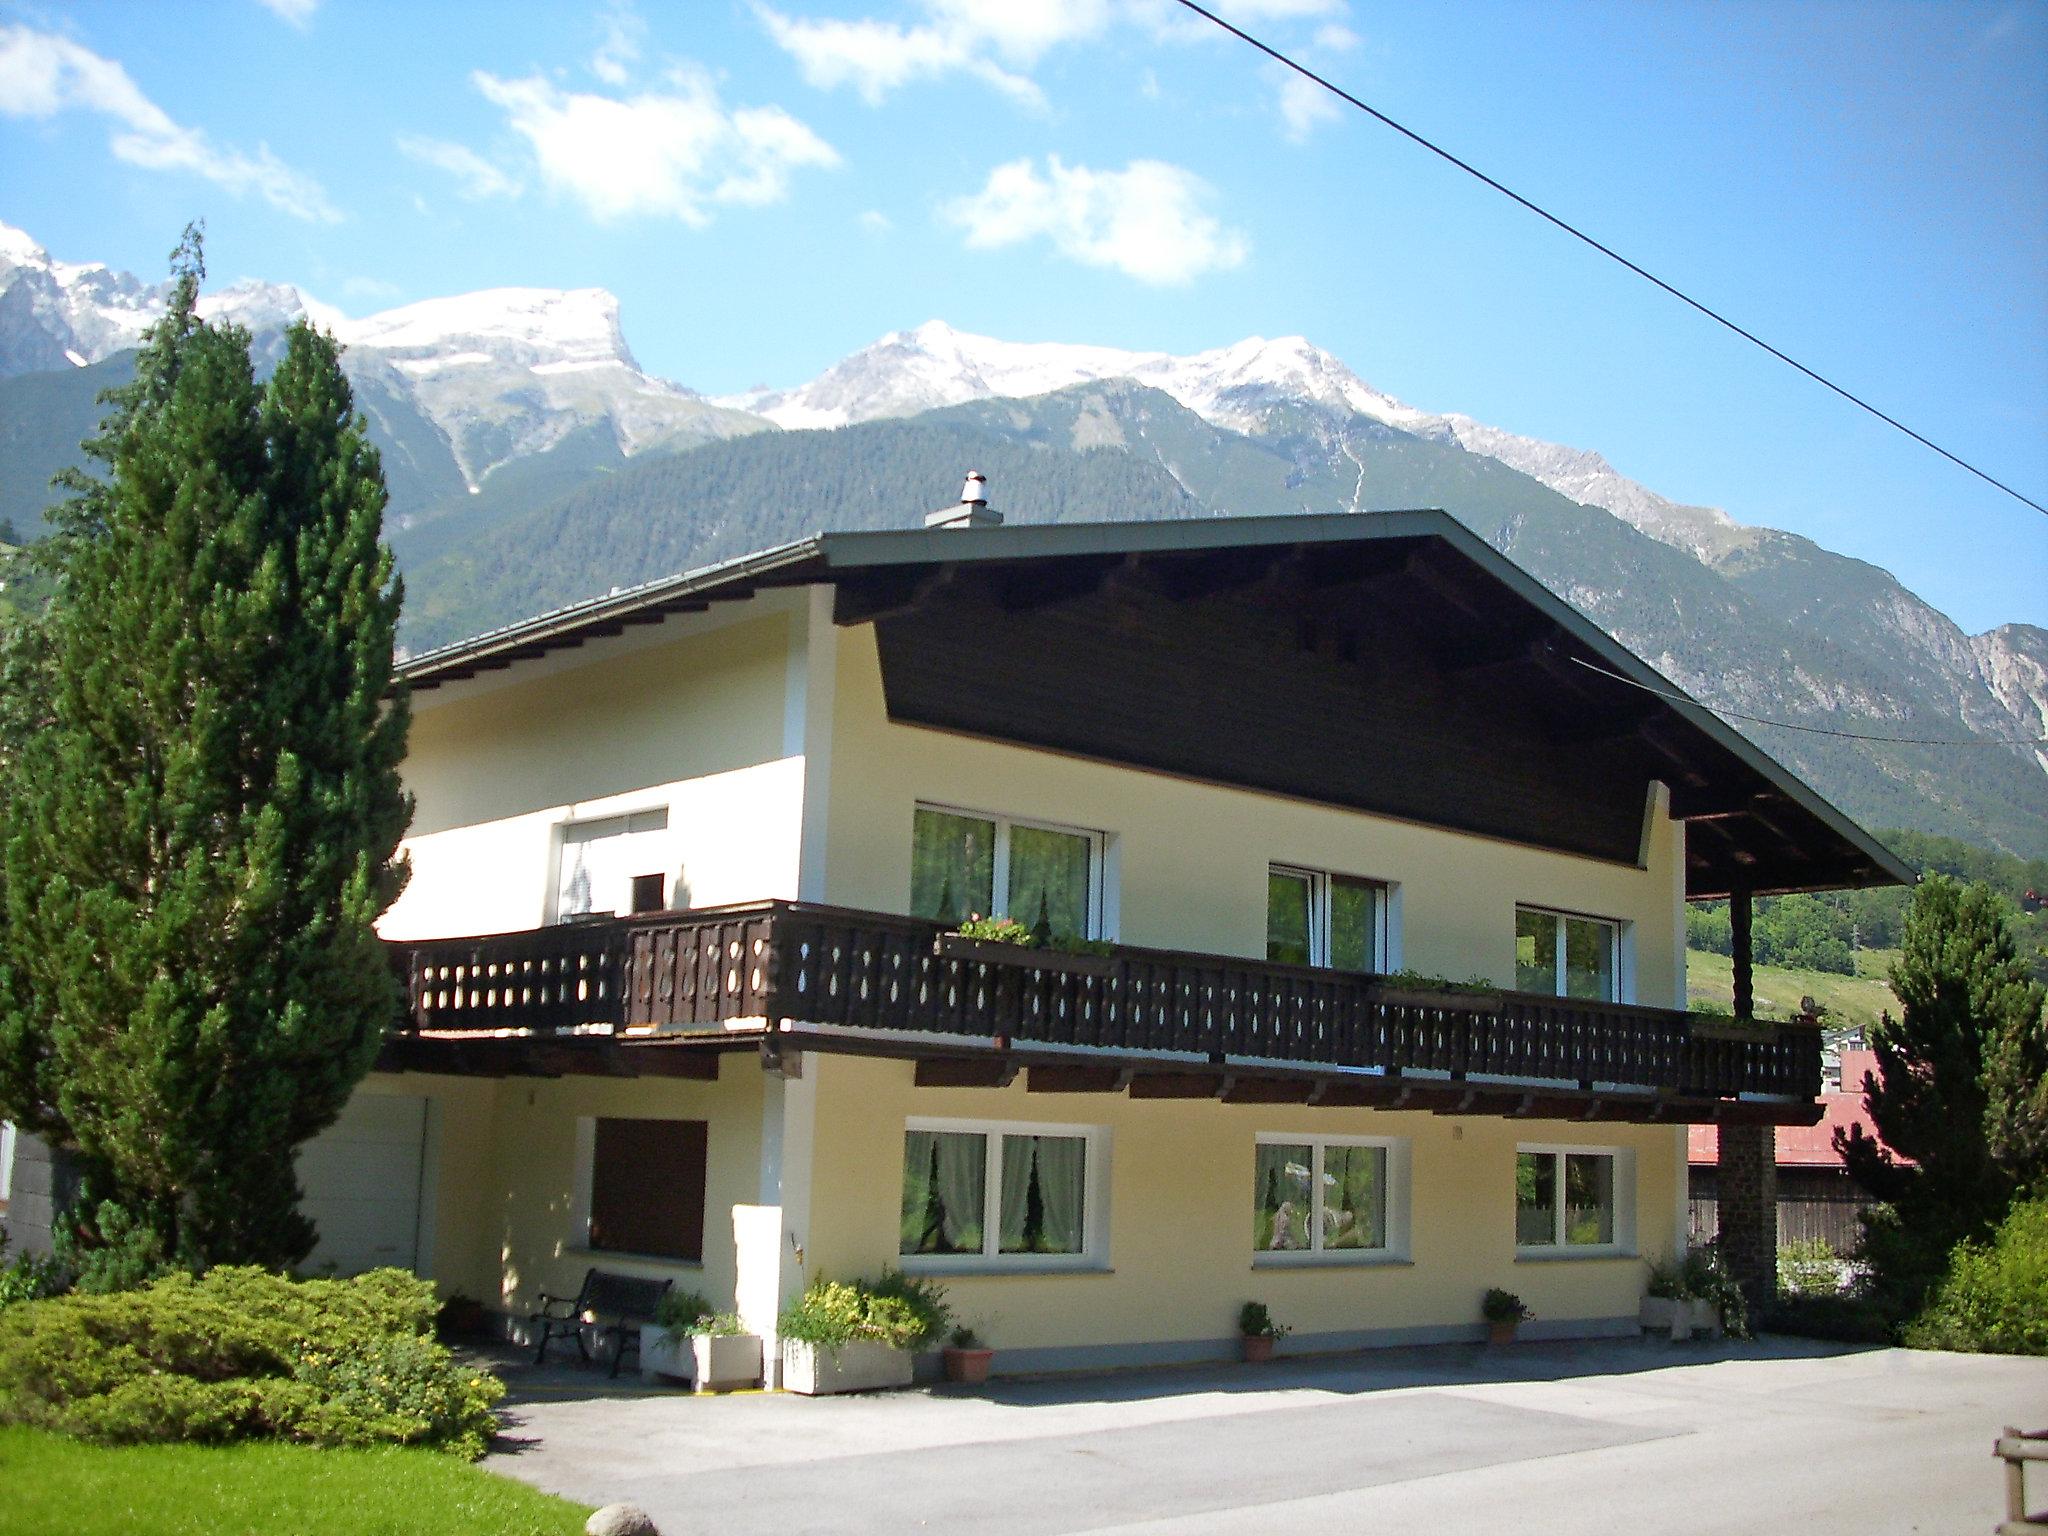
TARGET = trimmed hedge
(245,1354)
(1995,1297)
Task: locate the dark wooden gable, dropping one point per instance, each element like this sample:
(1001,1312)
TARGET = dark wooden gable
(1382,679)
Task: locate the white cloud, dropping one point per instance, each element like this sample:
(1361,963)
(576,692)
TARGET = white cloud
(1146,221)
(671,152)
(373,288)
(298,12)
(958,37)
(624,32)
(1336,38)
(43,74)
(876,222)
(478,178)
(1304,105)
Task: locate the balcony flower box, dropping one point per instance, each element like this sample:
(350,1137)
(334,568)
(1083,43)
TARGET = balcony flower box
(726,1362)
(862,1366)
(951,946)
(1466,999)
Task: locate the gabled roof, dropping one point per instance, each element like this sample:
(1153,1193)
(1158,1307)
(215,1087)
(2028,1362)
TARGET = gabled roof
(1753,823)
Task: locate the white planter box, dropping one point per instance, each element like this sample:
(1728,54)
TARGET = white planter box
(861,1367)
(726,1362)
(664,1355)
(1682,1318)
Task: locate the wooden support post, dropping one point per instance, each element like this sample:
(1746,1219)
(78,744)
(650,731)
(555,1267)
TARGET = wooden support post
(1744,955)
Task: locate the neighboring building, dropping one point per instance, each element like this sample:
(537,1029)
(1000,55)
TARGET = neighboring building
(1252,763)
(1816,1196)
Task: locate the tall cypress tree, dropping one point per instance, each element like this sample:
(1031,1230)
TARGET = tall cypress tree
(1958,1078)
(201,834)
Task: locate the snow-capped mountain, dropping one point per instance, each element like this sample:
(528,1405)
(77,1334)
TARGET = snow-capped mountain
(1241,386)
(501,375)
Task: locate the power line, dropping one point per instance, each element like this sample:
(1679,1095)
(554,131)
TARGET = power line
(1818,730)
(1608,251)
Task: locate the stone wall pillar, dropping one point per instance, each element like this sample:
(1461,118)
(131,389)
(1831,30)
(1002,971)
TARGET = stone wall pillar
(44,1185)
(1747,1189)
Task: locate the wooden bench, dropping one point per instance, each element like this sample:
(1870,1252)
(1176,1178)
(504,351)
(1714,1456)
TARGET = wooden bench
(620,1305)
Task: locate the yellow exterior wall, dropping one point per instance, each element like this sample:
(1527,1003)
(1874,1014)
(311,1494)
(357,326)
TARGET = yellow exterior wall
(694,724)
(1180,1212)
(502,1211)
(1187,861)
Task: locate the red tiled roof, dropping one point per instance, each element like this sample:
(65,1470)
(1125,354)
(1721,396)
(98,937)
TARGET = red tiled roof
(1805,1146)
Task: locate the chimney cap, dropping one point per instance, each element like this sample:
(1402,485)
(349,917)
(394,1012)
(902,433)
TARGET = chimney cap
(971,511)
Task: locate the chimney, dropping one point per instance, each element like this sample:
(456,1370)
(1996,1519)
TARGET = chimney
(973,510)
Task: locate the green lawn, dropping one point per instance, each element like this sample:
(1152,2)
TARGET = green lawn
(1710,979)
(50,1484)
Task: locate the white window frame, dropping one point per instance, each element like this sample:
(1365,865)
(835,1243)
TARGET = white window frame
(657,815)
(1094,1254)
(999,893)
(1619,948)
(1398,1164)
(1624,1184)
(1319,920)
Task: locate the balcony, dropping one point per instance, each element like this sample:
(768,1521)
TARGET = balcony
(1155,1023)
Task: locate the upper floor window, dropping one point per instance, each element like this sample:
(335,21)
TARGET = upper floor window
(963,865)
(1566,956)
(613,865)
(1314,918)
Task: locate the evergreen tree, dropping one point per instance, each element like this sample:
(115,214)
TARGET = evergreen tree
(201,831)
(1950,1099)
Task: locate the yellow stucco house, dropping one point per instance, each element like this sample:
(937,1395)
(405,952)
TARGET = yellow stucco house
(684,995)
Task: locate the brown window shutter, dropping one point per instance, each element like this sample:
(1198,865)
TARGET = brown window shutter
(647,1188)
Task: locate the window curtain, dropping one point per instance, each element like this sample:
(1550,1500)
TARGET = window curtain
(1044,1193)
(1284,1197)
(944,1182)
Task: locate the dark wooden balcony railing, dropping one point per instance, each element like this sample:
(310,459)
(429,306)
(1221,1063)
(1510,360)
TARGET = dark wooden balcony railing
(786,961)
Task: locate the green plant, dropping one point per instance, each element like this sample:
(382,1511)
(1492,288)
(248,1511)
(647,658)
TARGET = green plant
(244,1354)
(964,1337)
(1499,1306)
(1702,1276)
(997,930)
(678,1311)
(902,1311)
(1994,1298)
(30,1277)
(716,1325)
(1809,1267)
(1255,1321)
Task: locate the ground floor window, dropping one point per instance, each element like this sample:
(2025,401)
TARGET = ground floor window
(1567,956)
(1572,1198)
(1336,1196)
(646,1189)
(965,865)
(1313,918)
(1008,1196)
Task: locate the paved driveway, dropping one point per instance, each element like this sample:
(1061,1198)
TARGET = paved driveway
(1776,1436)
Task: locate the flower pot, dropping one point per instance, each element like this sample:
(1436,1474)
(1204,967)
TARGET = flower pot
(951,946)
(968,1366)
(858,1367)
(725,1362)
(664,1354)
(1257,1347)
(1667,1314)
(1501,1333)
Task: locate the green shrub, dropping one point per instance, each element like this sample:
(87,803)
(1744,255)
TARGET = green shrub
(1499,1306)
(1702,1276)
(902,1311)
(1809,1267)
(1255,1321)
(679,1309)
(242,1353)
(30,1277)
(1994,1299)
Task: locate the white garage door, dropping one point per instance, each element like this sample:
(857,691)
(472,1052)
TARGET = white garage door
(362,1181)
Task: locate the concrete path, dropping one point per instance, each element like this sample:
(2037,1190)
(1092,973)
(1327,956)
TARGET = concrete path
(1781,1435)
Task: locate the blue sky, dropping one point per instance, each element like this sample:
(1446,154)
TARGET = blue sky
(768,187)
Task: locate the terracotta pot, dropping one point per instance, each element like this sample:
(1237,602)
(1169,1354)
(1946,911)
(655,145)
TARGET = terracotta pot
(1258,1347)
(969,1366)
(1501,1333)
